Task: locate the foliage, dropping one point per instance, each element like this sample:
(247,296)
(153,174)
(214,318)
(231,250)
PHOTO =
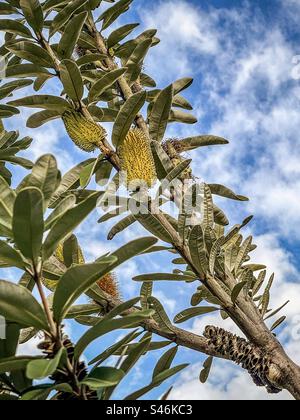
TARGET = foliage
(103,81)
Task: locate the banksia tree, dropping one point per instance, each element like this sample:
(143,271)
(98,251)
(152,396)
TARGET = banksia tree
(102,81)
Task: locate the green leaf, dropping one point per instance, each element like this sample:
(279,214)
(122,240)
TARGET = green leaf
(76,281)
(17,304)
(163,277)
(7,9)
(160,113)
(182,84)
(182,117)
(48,102)
(121,226)
(33,13)
(237,290)
(160,315)
(68,222)
(127,116)
(243,253)
(226,192)
(71,79)
(28,223)
(41,392)
(87,173)
(103,377)
(135,61)
(207,207)
(178,170)
(70,36)
(206,370)
(165,362)
(278,323)
(10,87)
(146,293)
(44,176)
(111,14)
(13,364)
(114,348)
(192,143)
(40,369)
(26,70)
(40,118)
(157,382)
(14,27)
(107,326)
(9,256)
(71,180)
(7,111)
(276,311)
(31,52)
(119,34)
(104,82)
(66,204)
(198,251)
(193,312)
(89,58)
(133,357)
(152,223)
(64,15)
(7,201)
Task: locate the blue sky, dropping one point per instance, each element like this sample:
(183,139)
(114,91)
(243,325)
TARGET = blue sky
(241,57)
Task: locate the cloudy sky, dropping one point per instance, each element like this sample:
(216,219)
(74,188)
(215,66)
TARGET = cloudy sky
(243,58)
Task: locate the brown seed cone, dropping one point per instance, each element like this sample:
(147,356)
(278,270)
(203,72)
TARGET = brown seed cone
(243,353)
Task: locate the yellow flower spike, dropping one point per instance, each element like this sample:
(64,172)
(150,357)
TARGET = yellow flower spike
(137,159)
(87,135)
(109,285)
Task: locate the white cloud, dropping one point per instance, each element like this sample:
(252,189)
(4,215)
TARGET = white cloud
(223,385)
